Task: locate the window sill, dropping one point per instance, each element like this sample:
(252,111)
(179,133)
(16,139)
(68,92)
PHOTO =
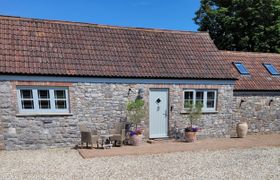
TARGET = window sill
(43,114)
(205,112)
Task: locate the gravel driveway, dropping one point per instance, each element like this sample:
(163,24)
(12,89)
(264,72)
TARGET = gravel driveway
(257,163)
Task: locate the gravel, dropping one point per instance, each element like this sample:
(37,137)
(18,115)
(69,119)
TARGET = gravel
(256,163)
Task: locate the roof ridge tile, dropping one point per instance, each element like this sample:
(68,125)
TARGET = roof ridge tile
(86,24)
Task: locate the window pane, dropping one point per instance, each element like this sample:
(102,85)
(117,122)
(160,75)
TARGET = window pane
(241,68)
(60,104)
(188,103)
(272,70)
(210,103)
(188,95)
(199,97)
(44,99)
(210,99)
(44,104)
(27,104)
(26,94)
(210,95)
(188,99)
(59,94)
(43,94)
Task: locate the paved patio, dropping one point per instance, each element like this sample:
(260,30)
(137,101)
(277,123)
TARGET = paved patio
(169,146)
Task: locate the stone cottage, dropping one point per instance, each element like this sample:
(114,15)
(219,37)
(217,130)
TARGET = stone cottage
(57,74)
(256,94)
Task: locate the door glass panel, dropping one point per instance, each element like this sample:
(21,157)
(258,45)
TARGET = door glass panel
(158,100)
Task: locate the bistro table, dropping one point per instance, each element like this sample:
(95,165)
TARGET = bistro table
(106,141)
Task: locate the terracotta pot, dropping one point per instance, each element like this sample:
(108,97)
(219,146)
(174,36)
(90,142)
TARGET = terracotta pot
(190,136)
(242,129)
(136,140)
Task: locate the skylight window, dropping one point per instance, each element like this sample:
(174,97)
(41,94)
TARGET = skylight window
(271,69)
(241,68)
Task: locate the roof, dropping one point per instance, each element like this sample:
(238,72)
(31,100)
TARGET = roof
(61,48)
(259,78)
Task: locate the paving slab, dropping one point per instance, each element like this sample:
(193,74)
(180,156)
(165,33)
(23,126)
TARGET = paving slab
(168,146)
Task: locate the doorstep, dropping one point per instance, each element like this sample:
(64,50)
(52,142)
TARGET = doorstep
(161,140)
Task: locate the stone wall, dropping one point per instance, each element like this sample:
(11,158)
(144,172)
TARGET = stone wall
(33,132)
(261,110)
(212,124)
(1,137)
(5,108)
(102,106)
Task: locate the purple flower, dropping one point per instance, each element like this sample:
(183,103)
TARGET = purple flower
(191,129)
(132,133)
(194,129)
(138,131)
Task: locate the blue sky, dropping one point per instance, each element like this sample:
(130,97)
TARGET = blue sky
(164,14)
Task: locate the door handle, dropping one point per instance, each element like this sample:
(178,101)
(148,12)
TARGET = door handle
(166,114)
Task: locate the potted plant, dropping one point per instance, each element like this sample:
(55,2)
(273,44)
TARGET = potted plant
(136,136)
(194,113)
(135,114)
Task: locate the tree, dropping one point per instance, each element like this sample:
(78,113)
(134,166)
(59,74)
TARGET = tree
(242,25)
(136,111)
(194,112)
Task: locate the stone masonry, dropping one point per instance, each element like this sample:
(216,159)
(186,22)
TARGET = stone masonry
(261,111)
(5,108)
(102,106)
(1,137)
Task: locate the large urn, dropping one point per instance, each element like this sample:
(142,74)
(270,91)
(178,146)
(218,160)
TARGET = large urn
(242,129)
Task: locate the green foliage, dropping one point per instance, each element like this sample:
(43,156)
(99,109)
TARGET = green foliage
(194,111)
(135,111)
(243,25)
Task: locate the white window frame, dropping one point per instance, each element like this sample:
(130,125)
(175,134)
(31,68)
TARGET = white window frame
(204,108)
(35,98)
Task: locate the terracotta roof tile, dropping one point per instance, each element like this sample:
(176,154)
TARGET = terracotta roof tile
(259,78)
(44,47)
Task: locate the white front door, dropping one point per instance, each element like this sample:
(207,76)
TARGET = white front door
(158,113)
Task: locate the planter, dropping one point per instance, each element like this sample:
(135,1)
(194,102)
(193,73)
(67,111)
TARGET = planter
(242,129)
(136,140)
(190,136)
